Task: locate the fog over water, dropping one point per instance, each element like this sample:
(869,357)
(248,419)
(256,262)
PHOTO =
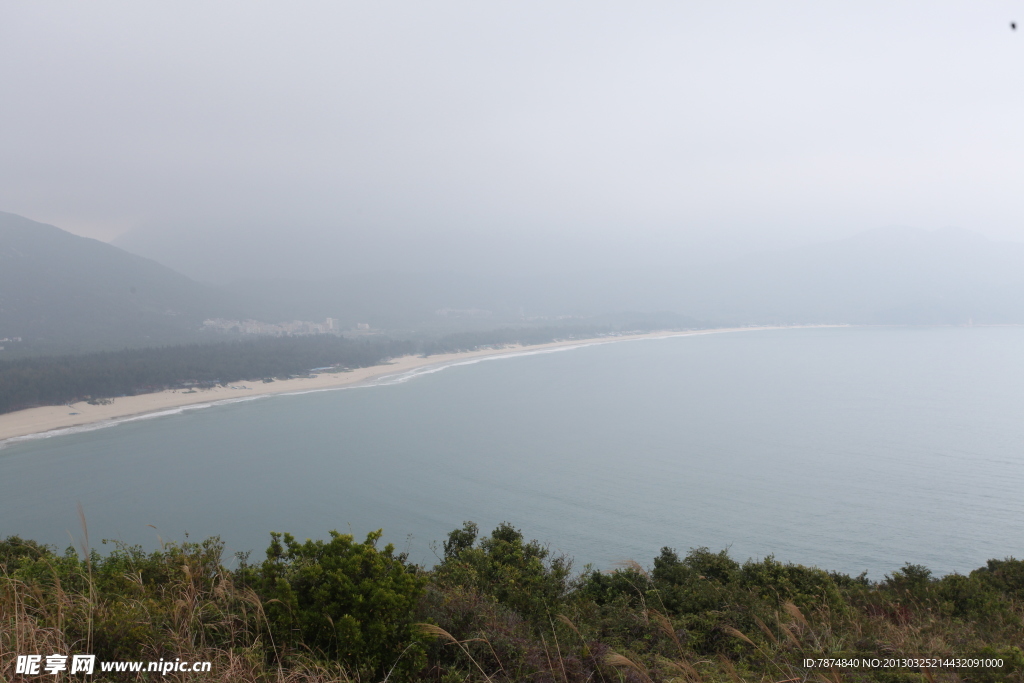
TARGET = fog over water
(233,140)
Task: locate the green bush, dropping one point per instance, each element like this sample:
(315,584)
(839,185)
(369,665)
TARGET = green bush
(777,583)
(343,600)
(962,597)
(914,579)
(518,574)
(624,588)
(1005,576)
(695,585)
(718,567)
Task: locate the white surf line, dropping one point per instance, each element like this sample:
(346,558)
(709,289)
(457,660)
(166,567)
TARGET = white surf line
(388,380)
(114,421)
(405,376)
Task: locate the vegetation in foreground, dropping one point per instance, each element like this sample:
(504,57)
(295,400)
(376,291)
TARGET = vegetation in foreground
(496,608)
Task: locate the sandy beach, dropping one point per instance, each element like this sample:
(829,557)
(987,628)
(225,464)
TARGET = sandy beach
(50,418)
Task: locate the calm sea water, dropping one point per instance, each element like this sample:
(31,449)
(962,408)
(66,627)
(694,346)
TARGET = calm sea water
(851,449)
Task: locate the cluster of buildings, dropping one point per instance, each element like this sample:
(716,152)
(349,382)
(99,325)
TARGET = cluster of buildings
(294,328)
(8,339)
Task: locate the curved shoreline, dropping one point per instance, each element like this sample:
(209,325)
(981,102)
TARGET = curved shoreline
(46,421)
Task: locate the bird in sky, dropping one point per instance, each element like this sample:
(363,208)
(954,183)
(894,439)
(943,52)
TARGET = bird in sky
(1013,25)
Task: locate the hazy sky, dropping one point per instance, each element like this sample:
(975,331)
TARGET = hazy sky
(552,134)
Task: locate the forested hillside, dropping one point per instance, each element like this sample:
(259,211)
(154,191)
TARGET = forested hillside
(54,380)
(64,293)
(64,379)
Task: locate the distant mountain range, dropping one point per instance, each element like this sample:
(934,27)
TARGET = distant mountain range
(60,292)
(889,276)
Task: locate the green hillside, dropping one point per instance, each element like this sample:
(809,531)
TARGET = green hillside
(61,292)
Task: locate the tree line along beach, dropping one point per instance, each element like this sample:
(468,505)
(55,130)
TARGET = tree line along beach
(43,419)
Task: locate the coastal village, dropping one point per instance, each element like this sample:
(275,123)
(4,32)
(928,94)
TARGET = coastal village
(293,328)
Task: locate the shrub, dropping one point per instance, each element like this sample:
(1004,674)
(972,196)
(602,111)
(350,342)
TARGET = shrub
(961,597)
(518,574)
(343,600)
(1005,576)
(779,583)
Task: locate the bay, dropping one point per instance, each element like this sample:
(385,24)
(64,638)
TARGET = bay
(853,449)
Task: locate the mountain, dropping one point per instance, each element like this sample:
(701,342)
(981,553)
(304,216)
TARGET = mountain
(886,276)
(60,292)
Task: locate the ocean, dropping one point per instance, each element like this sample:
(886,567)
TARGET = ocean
(852,449)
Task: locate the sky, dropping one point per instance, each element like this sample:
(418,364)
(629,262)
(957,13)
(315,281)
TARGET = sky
(237,139)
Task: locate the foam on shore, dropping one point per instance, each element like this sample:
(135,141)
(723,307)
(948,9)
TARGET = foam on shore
(51,421)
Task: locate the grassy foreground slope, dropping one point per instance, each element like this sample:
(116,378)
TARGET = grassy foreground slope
(497,608)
